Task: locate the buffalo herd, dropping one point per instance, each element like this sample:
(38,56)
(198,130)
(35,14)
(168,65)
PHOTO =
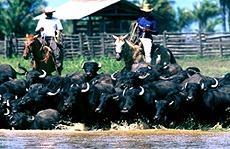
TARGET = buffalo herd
(158,95)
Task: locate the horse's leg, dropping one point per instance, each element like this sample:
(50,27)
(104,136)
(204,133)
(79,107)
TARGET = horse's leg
(33,64)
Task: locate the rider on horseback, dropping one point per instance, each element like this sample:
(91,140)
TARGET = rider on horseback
(147,28)
(50,30)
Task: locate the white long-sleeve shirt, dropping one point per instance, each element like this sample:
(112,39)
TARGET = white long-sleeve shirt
(49,25)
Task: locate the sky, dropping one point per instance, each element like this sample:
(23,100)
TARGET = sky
(180,3)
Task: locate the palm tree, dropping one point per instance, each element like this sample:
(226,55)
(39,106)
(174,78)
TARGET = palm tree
(223,5)
(164,14)
(225,8)
(211,24)
(205,10)
(185,18)
(16,16)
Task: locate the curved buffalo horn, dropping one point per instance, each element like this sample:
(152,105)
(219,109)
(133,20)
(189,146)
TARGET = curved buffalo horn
(189,98)
(166,67)
(11,79)
(143,77)
(123,93)
(116,97)
(186,84)
(7,103)
(97,109)
(216,83)
(163,78)
(113,77)
(72,85)
(43,75)
(171,103)
(31,118)
(149,67)
(7,112)
(52,94)
(142,91)
(188,74)
(182,93)
(202,86)
(82,66)
(87,88)
(99,65)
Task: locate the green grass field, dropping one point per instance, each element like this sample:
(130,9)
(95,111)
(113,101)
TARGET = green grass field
(210,66)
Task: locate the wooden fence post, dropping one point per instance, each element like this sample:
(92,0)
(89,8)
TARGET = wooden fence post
(103,43)
(72,48)
(5,46)
(220,47)
(80,43)
(200,43)
(165,39)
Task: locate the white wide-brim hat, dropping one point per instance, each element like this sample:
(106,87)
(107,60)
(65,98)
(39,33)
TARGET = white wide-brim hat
(146,8)
(48,10)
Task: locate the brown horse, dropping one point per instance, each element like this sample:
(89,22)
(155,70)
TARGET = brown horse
(42,56)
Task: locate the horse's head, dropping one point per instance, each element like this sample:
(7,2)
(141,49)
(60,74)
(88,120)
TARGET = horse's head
(28,42)
(119,42)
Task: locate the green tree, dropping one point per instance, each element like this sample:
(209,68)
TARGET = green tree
(16,16)
(205,10)
(184,19)
(211,24)
(165,15)
(225,4)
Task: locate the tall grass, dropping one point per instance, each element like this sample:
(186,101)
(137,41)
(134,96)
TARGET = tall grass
(210,66)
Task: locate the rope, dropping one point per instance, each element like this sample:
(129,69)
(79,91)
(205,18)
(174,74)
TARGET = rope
(134,30)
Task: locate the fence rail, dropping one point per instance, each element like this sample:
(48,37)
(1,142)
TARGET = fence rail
(181,44)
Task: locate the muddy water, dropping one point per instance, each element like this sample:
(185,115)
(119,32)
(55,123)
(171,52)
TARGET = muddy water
(154,138)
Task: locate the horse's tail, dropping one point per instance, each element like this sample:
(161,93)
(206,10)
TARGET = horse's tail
(172,58)
(22,68)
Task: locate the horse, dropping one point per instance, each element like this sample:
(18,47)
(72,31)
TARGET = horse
(132,53)
(42,56)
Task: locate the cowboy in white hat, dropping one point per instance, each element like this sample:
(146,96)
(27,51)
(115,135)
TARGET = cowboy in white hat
(147,28)
(50,29)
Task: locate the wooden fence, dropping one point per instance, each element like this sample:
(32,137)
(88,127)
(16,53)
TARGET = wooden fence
(181,44)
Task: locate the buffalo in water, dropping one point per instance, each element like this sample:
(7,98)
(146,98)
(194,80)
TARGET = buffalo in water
(156,94)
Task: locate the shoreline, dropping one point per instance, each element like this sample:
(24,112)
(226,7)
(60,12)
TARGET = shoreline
(111,132)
